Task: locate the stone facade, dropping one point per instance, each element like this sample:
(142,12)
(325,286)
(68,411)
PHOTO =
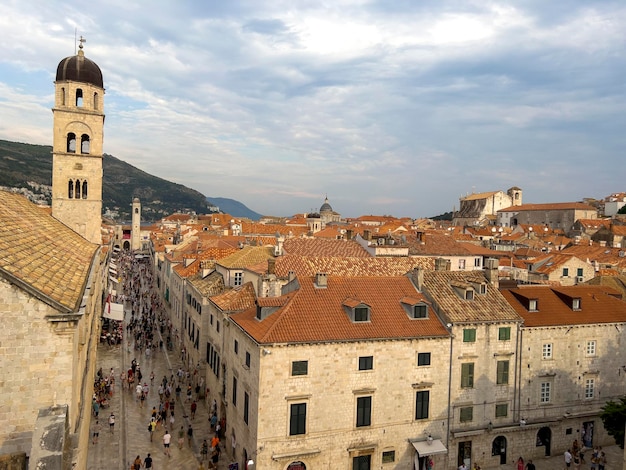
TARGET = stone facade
(77,153)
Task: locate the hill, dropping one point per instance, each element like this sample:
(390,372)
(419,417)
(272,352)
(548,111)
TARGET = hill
(234,208)
(29,167)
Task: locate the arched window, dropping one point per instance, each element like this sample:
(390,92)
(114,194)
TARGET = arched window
(71,142)
(84,143)
(96,101)
(84,189)
(63,96)
(136,210)
(79,97)
(77,189)
(70,189)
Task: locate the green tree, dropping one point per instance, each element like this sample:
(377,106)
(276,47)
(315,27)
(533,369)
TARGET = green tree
(614,418)
(622,210)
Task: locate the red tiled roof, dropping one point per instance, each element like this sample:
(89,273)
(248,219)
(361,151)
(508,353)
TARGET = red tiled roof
(324,247)
(549,207)
(236,299)
(310,265)
(318,314)
(598,304)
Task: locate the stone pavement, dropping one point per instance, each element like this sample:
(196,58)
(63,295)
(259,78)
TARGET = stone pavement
(130,437)
(614,456)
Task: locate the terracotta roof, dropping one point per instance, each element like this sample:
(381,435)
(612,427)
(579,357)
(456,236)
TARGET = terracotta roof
(210,285)
(473,197)
(435,243)
(552,262)
(313,314)
(248,255)
(488,307)
(549,207)
(210,254)
(310,265)
(598,304)
(324,247)
(43,253)
(236,299)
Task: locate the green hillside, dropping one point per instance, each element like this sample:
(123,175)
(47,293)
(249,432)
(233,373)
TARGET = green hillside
(30,166)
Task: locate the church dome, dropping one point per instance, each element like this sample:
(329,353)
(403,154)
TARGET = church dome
(326,207)
(79,68)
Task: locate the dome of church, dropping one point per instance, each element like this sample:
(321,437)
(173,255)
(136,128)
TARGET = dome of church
(79,68)
(326,207)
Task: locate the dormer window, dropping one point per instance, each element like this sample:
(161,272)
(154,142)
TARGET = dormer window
(469,294)
(576,303)
(420,311)
(533,305)
(415,307)
(361,314)
(357,310)
(463,290)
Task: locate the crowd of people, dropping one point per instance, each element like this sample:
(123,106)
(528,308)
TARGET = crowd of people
(148,332)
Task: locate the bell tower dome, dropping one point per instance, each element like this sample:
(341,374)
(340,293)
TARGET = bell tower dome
(78,116)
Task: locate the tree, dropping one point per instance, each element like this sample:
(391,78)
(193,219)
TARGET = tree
(614,418)
(622,210)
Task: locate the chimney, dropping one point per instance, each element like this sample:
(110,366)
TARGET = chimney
(292,276)
(491,272)
(418,278)
(321,280)
(349,234)
(271,266)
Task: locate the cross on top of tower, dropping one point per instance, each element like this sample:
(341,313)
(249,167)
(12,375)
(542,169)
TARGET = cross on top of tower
(81,41)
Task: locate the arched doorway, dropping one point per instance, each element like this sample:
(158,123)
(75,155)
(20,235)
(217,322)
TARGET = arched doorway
(126,245)
(498,447)
(544,437)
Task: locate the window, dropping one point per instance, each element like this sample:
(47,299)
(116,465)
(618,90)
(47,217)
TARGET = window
(546,351)
(363,411)
(423,359)
(96,101)
(579,272)
(238,279)
(361,314)
(234,391)
(576,304)
(502,376)
(565,272)
(461,264)
(84,143)
(589,388)
(502,410)
(477,262)
(236,347)
(247,359)
(70,189)
(366,362)
(533,305)
(504,333)
(467,375)
(546,389)
(84,189)
(420,311)
(79,97)
(297,419)
(467,414)
(421,404)
(299,367)
(591,348)
(389,456)
(246,407)
(469,294)
(362,462)
(217,326)
(71,142)
(469,335)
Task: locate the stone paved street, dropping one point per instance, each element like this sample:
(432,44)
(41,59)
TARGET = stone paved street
(130,437)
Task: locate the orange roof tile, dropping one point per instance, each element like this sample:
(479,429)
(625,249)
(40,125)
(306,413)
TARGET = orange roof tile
(313,314)
(43,253)
(339,266)
(324,247)
(598,304)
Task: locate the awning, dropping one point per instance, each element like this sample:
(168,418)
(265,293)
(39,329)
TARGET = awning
(433,447)
(114,311)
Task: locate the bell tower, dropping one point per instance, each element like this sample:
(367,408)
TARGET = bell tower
(78,116)
(135,235)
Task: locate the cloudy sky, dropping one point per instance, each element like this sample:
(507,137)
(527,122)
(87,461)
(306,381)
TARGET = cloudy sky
(387,106)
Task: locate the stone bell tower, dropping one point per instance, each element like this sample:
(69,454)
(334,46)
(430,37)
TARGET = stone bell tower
(135,234)
(78,116)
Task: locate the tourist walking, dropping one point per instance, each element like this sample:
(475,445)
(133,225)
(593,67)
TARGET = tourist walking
(147,462)
(111,422)
(189,435)
(167,437)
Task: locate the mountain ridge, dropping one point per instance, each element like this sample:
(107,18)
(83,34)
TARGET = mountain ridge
(28,168)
